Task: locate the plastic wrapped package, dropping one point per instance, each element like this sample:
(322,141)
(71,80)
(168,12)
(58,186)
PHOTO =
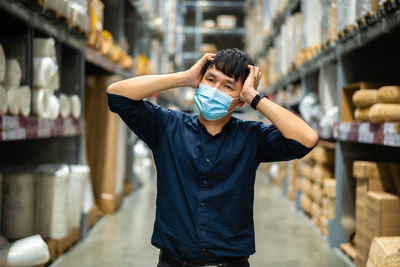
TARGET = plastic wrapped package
(389,94)
(284,49)
(75,106)
(77,14)
(310,108)
(346,13)
(384,112)
(54,104)
(312,14)
(45,73)
(65,106)
(328,121)
(24,93)
(76,186)
(44,47)
(13,74)
(327,86)
(365,98)
(51,200)
(325,16)
(2,64)
(16,49)
(25,252)
(18,205)
(3,100)
(41,103)
(226,21)
(13,101)
(59,6)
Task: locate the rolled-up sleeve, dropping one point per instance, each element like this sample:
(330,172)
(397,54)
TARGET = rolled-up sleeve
(142,117)
(273,146)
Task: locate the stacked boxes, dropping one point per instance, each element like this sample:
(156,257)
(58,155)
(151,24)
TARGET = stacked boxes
(328,203)
(323,169)
(306,167)
(294,178)
(372,179)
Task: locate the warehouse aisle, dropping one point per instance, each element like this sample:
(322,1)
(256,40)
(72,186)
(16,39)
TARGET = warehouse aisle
(283,238)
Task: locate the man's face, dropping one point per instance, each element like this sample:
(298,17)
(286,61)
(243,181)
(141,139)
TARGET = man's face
(226,84)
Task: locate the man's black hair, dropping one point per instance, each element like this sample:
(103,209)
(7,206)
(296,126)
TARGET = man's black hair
(232,62)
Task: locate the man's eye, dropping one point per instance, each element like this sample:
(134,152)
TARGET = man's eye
(210,80)
(227,86)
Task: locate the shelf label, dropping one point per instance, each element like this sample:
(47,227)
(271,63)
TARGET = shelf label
(69,127)
(344,130)
(14,134)
(364,134)
(391,128)
(10,123)
(44,128)
(391,140)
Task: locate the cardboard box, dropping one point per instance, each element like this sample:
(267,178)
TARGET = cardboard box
(347,106)
(306,170)
(305,186)
(359,260)
(385,251)
(316,193)
(382,202)
(370,170)
(329,187)
(324,155)
(320,172)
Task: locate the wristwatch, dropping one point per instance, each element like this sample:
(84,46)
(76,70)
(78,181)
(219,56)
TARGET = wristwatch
(257,99)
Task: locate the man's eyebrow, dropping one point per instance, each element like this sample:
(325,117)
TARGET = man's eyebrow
(230,81)
(211,74)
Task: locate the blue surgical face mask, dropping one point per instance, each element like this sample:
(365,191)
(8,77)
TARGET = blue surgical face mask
(212,103)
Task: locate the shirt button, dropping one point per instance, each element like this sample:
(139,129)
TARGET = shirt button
(202,227)
(207,160)
(203,204)
(203,249)
(204,182)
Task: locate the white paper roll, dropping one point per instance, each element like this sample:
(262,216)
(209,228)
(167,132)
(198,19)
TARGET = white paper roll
(44,47)
(18,205)
(3,100)
(65,106)
(13,74)
(25,252)
(2,63)
(54,107)
(41,103)
(88,196)
(76,106)
(45,73)
(51,201)
(13,101)
(24,100)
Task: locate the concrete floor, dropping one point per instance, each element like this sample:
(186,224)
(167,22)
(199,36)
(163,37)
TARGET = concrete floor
(283,237)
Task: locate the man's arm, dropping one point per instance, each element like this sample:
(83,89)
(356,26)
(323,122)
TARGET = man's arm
(140,87)
(290,125)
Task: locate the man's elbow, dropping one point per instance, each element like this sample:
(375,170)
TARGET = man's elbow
(311,139)
(111,89)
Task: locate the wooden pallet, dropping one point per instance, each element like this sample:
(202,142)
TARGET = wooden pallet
(349,250)
(94,216)
(57,247)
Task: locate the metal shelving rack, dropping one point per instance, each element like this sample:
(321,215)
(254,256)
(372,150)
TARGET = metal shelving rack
(366,53)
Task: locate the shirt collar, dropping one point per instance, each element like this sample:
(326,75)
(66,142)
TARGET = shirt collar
(226,127)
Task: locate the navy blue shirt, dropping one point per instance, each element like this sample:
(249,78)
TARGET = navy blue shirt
(205,183)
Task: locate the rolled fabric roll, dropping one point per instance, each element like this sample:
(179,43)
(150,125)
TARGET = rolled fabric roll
(13,101)
(41,103)
(25,252)
(54,103)
(44,47)
(384,112)
(24,100)
(362,114)
(18,205)
(13,74)
(65,106)
(2,63)
(365,98)
(3,100)
(45,73)
(389,94)
(76,106)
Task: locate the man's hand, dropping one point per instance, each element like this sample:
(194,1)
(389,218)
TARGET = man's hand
(194,74)
(249,90)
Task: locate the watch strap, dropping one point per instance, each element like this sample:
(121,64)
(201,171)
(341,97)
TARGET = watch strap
(257,99)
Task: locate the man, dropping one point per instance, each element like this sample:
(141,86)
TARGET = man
(206,163)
